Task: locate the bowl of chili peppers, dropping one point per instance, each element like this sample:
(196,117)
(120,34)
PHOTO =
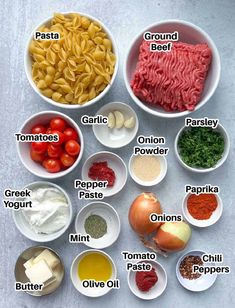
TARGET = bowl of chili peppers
(188,275)
(106,167)
(202,210)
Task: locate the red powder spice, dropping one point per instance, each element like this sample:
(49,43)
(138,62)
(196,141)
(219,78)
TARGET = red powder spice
(145,280)
(202,206)
(100,171)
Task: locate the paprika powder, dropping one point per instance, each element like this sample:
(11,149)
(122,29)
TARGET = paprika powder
(202,206)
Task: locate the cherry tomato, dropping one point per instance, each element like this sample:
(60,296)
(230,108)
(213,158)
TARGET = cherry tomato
(38,129)
(72,147)
(54,151)
(67,160)
(49,131)
(70,134)
(61,137)
(38,157)
(51,165)
(39,146)
(58,124)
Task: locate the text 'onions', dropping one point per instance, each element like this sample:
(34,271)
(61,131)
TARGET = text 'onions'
(141,209)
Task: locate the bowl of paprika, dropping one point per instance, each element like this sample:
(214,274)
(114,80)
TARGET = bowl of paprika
(202,210)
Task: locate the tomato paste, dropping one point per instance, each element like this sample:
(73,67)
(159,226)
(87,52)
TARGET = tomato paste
(145,280)
(99,171)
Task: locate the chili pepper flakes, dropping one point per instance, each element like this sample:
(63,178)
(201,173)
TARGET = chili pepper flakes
(186,267)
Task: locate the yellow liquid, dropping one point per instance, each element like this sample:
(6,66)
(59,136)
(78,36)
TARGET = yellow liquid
(95,266)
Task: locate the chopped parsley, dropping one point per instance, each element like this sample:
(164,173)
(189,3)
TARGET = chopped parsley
(201,147)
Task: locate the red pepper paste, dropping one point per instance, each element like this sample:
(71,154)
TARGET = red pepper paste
(100,171)
(202,206)
(145,280)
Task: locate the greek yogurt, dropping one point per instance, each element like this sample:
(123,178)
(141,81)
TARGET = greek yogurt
(49,212)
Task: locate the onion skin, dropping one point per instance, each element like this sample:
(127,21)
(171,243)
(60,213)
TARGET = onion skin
(173,236)
(139,214)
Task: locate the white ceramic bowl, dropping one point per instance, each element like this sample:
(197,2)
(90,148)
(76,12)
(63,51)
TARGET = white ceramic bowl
(114,162)
(203,223)
(203,283)
(90,292)
(156,290)
(23,148)
(156,181)
(111,217)
(223,132)
(116,138)
(188,33)
(28,65)
(23,226)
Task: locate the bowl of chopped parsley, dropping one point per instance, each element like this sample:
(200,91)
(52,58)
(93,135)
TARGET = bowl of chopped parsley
(202,149)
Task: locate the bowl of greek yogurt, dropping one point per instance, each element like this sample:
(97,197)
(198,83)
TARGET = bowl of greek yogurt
(45,213)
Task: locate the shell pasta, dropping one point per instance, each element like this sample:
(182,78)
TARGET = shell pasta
(77,67)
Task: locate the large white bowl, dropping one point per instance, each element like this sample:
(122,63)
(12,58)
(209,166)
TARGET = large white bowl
(90,292)
(23,148)
(188,33)
(28,65)
(224,133)
(23,226)
(114,162)
(111,217)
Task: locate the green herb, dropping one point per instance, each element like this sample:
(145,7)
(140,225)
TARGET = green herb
(95,226)
(201,147)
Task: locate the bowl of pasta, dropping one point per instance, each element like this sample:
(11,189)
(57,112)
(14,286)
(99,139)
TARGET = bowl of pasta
(172,68)
(71,60)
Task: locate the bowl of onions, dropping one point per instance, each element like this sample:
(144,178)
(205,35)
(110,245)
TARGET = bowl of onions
(162,237)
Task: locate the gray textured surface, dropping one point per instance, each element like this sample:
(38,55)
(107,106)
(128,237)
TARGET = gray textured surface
(125,19)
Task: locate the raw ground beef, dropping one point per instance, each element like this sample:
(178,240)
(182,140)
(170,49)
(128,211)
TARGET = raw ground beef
(174,79)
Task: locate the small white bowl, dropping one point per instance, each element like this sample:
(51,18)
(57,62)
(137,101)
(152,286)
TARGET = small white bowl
(203,223)
(28,65)
(23,226)
(203,283)
(188,33)
(90,292)
(23,148)
(116,138)
(156,290)
(223,132)
(114,162)
(111,217)
(161,176)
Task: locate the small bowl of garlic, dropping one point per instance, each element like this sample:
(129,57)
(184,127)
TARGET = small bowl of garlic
(121,128)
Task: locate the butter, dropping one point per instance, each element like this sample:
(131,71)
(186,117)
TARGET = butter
(49,257)
(39,273)
(28,263)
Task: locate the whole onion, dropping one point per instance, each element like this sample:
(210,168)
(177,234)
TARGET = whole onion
(139,213)
(173,236)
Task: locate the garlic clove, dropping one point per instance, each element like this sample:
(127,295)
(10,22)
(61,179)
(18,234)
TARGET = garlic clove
(130,123)
(119,117)
(111,120)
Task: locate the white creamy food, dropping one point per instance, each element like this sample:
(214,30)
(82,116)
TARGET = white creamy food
(49,212)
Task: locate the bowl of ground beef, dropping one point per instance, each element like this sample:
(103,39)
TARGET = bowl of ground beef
(172,68)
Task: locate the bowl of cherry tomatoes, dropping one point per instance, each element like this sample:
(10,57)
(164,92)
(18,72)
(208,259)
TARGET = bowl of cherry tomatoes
(56,154)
